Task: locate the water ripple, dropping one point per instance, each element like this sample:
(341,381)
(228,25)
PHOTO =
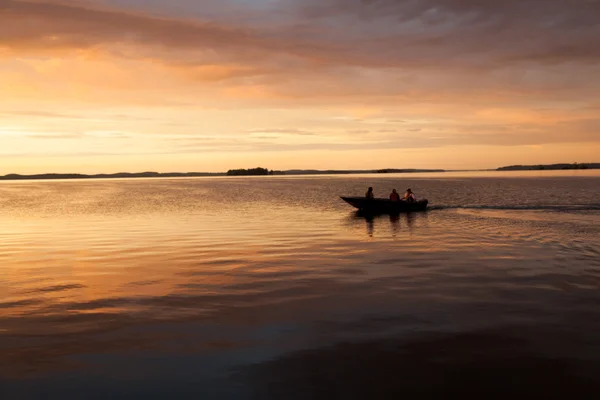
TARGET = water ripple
(176,281)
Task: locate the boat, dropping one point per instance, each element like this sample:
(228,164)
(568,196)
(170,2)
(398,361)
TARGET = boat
(385,206)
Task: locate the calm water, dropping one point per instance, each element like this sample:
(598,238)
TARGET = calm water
(272,288)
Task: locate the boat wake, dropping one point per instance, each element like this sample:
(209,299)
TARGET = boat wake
(551,207)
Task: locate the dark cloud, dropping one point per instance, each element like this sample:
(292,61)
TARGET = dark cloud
(55,24)
(463,32)
(58,288)
(384,33)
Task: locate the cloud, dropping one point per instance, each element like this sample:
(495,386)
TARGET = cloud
(385,33)
(54,136)
(220,73)
(408,50)
(107,134)
(358,131)
(415,73)
(475,34)
(38,114)
(283,131)
(580,131)
(44,27)
(56,25)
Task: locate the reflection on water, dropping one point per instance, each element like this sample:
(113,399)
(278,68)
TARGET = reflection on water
(178,288)
(497,363)
(397,222)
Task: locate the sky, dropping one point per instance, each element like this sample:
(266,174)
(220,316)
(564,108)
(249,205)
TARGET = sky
(96,86)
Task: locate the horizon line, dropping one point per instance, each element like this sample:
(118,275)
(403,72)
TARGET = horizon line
(295,171)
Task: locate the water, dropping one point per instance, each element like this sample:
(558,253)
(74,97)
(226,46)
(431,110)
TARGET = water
(271,287)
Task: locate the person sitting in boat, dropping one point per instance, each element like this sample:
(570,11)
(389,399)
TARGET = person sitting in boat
(394,196)
(409,196)
(369,194)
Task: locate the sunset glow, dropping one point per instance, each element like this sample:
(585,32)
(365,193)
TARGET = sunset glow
(96,86)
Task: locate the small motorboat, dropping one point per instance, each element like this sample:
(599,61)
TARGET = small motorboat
(385,206)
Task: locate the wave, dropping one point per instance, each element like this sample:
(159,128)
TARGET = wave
(549,207)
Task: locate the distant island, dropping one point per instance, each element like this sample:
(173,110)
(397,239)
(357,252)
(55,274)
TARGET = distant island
(550,167)
(406,171)
(356,171)
(252,171)
(259,171)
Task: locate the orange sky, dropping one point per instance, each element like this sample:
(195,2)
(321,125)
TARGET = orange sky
(129,85)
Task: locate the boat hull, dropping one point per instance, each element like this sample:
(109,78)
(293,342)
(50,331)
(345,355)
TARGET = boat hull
(385,206)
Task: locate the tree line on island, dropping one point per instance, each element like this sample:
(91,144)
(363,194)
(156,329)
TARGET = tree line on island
(550,167)
(259,171)
(251,172)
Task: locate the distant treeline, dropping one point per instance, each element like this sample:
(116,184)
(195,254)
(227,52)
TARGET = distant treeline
(231,172)
(108,176)
(550,167)
(356,171)
(251,171)
(405,171)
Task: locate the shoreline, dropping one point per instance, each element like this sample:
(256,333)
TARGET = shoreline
(127,175)
(289,173)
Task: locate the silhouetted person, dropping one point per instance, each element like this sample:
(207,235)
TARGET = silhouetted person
(369,194)
(394,196)
(409,196)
